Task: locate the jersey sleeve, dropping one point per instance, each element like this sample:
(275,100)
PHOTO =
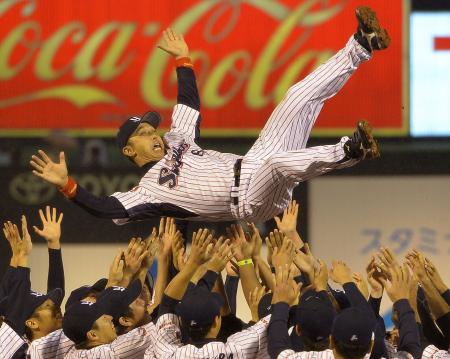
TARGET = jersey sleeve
(185,121)
(134,343)
(10,341)
(53,346)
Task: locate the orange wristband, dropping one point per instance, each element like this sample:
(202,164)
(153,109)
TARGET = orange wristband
(70,189)
(184,62)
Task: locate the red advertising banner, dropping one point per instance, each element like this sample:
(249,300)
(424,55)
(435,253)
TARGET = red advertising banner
(87,65)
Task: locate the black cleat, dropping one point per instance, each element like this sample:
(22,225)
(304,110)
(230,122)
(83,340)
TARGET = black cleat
(369,33)
(362,144)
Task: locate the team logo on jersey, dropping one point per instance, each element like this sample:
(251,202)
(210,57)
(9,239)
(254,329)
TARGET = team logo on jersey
(168,176)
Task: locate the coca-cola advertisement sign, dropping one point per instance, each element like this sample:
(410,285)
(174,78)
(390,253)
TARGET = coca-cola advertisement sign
(87,65)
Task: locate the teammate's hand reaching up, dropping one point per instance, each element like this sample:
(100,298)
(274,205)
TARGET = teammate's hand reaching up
(49,171)
(51,227)
(286,290)
(340,273)
(221,255)
(201,247)
(174,44)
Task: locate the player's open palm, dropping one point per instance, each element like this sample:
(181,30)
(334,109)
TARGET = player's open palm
(51,227)
(49,171)
(173,43)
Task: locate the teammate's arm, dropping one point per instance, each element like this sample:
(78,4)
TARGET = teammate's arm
(57,174)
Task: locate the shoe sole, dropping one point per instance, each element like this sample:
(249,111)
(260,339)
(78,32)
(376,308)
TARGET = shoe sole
(370,143)
(368,21)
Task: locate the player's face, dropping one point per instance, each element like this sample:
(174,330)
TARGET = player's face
(139,312)
(105,330)
(145,145)
(48,317)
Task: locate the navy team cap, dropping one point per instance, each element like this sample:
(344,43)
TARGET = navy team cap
(36,299)
(82,292)
(315,316)
(353,326)
(81,316)
(199,307)
(129,126)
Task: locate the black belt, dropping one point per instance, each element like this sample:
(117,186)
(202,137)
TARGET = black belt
(237,177)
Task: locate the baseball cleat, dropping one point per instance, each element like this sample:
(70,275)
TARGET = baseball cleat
(369,33)
(362,144)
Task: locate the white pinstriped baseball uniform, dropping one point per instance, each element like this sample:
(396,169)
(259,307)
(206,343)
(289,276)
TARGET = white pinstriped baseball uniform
(325,354)
(202,181)
(53,346)
(431,352)
(10,341)
(247,344)
(131,345)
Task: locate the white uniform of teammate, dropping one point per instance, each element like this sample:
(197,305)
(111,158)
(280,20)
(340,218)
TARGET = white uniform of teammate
(53,346)
(131,345)
(10,341)
(202,181)
(247,344)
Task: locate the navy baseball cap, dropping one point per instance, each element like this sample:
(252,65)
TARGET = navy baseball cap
(81,315)
(353,326)
(129,126)
(315,316)
(199,307)
(82,292)
(35,299)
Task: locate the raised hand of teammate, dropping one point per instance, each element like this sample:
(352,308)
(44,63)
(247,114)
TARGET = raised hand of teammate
(398,284)
(49,171)
(243,245)
(221,254)
(373,278)
(152,247)
(360,282)
(178,251)
(115,275)
(435,277)
(321,276)
(288,224)
(283,253)
(174,44)
(305,261)
(286,290)
(340,273)
(134,255)
(201,247)
(51,227)
(20,245)
(255,296)
(167,232)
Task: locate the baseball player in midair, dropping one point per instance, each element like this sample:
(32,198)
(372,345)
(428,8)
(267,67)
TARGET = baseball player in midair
(182,180)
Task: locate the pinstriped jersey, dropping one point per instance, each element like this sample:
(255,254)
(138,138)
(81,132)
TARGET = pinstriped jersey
(196,181)
(10,341)
(325,354)
(431,352)
(247,344)
(131,345)
(53,346)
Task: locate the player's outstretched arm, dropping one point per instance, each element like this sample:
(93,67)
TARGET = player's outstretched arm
(185,121)
(57,174)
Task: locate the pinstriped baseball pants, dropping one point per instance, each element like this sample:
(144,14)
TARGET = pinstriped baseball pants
(278,160)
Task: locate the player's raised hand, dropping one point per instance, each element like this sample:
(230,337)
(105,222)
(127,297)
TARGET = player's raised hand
(152,247)
(435,277)
(51,227)
(49,171)
(284,254)
(373,278)
(358,279)
(255,296)
(399,283)
(305,261)
(201,247)
(167,232)
(257,240)
(340,273)
(321,276)
(174,44)
(286,290)
(288,224)
(116,270)
(221,255)
(12,236)
(243,245)
(134,255)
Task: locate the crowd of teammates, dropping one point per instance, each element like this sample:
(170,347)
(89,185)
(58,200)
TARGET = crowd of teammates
(189,311)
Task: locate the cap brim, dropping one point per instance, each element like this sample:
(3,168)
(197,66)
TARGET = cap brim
(99,285)
(152,117)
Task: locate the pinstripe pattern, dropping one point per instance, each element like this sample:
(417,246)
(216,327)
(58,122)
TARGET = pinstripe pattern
(276,163)
(431,352)
(326,354)
(249,343)
(53,346)
(10,341)
(132,345)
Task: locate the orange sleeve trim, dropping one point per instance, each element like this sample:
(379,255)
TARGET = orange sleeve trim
(70,189)
(184,62)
